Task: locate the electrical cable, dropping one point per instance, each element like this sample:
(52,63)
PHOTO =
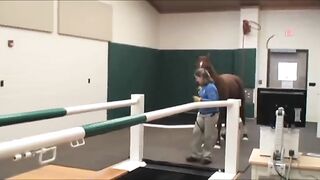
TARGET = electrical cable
(245,169)
(258,26)
(276,169)
(243,41)
(289,168)
(267,43)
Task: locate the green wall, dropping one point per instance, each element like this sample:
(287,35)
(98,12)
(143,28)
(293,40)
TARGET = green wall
(245,66)
(166,76)
(131,70)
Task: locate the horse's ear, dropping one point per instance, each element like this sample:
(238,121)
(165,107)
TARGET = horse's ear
(198,61)
(202,58)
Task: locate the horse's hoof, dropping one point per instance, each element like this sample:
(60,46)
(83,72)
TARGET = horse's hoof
(217,146)
(245,137)
(223,137)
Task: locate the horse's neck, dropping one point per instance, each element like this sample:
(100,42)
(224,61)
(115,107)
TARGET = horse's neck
(216,77)
(221,86)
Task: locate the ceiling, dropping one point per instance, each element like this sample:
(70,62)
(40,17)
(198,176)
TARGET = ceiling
(176,6)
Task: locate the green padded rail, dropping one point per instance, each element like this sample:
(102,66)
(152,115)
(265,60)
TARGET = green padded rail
(16,118)
(112,125)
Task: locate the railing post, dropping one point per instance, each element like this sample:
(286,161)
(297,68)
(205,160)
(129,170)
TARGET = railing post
(232,137)
(137,131)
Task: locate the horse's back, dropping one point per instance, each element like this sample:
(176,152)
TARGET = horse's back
(234,85)
(230,78)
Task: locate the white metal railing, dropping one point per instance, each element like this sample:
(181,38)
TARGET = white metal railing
(47,142)
(38,144)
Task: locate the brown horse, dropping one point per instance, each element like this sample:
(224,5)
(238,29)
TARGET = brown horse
(229,86)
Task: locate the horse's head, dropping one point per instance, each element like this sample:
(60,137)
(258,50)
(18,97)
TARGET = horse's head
(204,62)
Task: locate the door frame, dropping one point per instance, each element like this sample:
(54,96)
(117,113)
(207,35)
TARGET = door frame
(297,50)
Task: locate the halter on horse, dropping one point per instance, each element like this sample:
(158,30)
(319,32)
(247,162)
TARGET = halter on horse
(229,86)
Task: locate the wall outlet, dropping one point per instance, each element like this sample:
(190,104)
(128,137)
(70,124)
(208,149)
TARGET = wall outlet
(281,168)
(10,43)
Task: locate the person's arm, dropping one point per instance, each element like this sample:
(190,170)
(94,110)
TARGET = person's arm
(211,94)
(196,98)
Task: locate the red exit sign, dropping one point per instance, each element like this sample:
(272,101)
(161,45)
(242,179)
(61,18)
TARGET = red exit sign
(289,33)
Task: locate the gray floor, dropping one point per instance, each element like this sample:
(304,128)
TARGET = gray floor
(160,144)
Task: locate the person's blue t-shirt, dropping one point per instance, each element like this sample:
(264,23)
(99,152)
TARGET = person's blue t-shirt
(209,92)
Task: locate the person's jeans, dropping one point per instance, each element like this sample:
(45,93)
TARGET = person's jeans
(204,135)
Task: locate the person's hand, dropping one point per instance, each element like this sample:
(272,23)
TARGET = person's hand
(196,98)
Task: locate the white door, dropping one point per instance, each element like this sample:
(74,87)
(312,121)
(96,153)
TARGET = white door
(288,69)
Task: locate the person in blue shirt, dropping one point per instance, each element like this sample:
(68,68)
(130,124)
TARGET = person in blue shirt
(205,131)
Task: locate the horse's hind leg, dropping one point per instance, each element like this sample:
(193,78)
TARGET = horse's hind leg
(223,115)
(219,127)
(244,127)
(241,95)
(217,144)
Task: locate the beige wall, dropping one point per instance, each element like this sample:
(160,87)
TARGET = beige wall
(212,30)
(36,15)
(135,23)
(89,19)
(46,70)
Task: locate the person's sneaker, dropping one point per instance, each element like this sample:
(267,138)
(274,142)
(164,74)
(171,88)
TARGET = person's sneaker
(206,161)
(245,137)
(192,159)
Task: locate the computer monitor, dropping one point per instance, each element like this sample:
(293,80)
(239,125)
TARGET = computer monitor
(292,100)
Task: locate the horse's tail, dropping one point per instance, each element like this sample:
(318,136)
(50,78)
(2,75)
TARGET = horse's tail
(242,96)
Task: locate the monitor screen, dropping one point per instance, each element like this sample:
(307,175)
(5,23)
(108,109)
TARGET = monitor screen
(292,100)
